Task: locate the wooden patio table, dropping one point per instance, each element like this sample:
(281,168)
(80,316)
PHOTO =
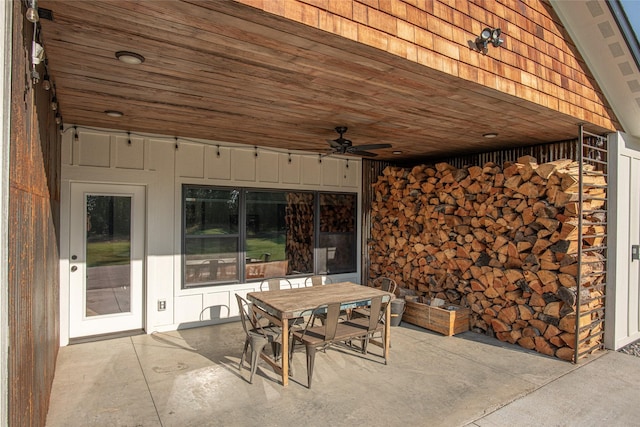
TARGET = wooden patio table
(285,304)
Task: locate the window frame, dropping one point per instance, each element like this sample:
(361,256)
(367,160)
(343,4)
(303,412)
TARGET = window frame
(242,234)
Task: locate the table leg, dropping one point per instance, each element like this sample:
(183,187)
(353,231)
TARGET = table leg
(285,352)
(387,333)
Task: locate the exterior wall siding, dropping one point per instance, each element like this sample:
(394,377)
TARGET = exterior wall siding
(537,63)
(163,164)
(622,325)
(33,220)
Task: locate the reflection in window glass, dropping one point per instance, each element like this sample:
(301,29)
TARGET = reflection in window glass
(337,246)
(277,244)
(108,255)
(211,239)
(270,233)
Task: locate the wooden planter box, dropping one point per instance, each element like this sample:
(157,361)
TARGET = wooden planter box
(447,322)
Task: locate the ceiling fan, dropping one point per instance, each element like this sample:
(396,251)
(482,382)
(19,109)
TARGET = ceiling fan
(341,145)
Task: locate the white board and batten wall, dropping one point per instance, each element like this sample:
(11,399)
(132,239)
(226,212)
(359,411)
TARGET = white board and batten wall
(162,165)
(622,323)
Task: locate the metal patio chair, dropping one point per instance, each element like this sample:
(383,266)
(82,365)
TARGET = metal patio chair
(256,336)
(316,281)
(275,284)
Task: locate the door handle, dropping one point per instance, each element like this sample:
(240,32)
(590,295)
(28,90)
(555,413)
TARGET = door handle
(74,268)
(635,252)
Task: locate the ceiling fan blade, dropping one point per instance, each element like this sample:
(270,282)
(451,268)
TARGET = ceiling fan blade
(371,146)
(356,151)
(334,143)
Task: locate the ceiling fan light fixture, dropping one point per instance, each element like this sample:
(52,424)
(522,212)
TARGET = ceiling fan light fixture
(341,145)
(397,152)
(130,58)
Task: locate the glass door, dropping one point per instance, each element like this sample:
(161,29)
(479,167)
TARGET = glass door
(107,254)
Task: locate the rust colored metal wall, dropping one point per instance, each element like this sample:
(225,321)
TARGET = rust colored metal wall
(34,197)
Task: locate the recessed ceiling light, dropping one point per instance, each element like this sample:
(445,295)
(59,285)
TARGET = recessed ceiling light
(397,152)
(130,57)
(114,113)
(490,135)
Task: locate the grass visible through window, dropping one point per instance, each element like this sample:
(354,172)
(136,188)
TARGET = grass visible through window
(108,253)
(256,248)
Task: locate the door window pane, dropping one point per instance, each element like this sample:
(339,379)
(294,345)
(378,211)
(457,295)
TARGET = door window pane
(108,255)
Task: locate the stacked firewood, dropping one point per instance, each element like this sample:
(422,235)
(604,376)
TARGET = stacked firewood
(502,241)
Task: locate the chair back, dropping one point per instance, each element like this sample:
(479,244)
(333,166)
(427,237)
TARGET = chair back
(331,321)
(246,318)
(315,281)
(274,284)
(386,284)
(329,314)
(376,313)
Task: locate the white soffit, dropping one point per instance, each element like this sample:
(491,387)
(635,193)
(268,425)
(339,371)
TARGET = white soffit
(596,34)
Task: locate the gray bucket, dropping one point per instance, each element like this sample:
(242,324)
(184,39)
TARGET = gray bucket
(397,309)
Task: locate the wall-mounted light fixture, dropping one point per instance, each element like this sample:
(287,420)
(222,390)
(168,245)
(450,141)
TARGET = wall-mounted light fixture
(481,44)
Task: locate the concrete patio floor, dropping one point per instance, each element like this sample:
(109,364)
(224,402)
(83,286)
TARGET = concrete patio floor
(190,378)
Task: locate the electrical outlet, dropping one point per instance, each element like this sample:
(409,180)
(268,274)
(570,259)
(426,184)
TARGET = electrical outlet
(162,305)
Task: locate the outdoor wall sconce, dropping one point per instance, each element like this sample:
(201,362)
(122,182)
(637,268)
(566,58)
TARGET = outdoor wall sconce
(481,44)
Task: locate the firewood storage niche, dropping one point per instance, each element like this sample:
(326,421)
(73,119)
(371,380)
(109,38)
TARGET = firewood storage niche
(521,244)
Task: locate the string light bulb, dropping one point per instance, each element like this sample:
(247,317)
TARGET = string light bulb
(32,12)
(76,137)
(46,82)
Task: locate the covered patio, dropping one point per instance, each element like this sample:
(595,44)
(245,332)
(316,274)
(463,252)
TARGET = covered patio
(191,378)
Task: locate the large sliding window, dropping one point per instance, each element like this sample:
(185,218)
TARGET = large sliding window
(233,235)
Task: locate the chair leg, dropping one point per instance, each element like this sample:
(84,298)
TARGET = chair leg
(311,356)
(292,344)
(275,347)
(256,349)
(244,352)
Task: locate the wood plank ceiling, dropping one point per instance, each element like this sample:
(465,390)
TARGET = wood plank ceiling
(223,71)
